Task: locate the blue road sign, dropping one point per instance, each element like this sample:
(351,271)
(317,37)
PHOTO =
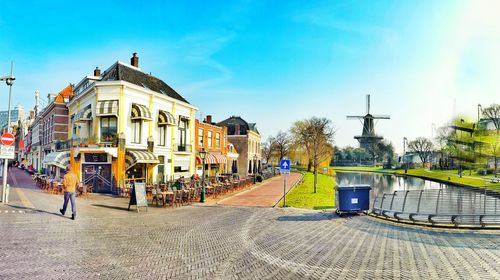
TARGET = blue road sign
(285,165)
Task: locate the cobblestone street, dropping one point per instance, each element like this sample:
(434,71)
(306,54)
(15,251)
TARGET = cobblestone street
(228,242)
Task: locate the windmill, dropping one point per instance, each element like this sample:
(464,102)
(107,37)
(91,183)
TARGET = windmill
(368,137)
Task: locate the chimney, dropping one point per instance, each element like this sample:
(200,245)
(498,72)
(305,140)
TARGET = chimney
(134,61)
(209,119)
(97,72)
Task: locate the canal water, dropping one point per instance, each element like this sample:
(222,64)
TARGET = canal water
(387,183)
(425,196)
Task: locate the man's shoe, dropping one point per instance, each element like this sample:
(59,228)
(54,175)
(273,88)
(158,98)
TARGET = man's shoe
(72,216)
(62,212)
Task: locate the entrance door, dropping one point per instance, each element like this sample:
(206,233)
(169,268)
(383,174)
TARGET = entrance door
(98,176)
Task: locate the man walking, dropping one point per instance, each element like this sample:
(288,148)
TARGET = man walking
(69,183)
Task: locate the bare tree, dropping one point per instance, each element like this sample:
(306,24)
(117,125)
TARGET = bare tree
(423,147)
(316,136)
(300,133)
(282,144)
(442,141)
(492,113)
(268,148)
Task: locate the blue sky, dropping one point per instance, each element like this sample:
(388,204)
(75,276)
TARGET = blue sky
(272,62)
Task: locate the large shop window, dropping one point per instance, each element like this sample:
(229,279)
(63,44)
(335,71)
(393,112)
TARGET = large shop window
(162,135)
(136,131)
(108,129)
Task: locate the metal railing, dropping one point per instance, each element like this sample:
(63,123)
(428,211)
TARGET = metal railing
(462,207)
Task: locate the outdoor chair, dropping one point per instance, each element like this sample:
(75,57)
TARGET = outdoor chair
(178,197)
(186,195)
(157,195)
(170,199)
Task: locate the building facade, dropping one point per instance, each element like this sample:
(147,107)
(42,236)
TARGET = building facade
(246,139)
(126,125)
(53,134)
(212,139)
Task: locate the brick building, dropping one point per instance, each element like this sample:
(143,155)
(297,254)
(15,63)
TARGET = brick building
(213,139)
(246,140)
(53,134)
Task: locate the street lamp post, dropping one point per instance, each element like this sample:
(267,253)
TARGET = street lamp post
(9,80)
(479,108)
(405,140)
(203,156)
(254,168)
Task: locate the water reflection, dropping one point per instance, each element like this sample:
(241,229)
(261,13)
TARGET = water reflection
(387,183)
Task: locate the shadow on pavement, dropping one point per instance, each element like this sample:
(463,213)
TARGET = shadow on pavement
(36,210)
(111,207)
(308,217)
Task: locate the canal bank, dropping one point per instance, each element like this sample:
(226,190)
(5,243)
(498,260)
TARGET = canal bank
(427,202)
(440,177)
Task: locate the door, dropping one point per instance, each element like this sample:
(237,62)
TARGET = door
(98,176)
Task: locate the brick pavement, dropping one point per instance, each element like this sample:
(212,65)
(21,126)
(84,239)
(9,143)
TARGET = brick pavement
(266,194)
(222,242)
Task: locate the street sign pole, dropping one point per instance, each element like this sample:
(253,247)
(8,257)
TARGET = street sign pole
(284,169)
(284,191)
(6,161)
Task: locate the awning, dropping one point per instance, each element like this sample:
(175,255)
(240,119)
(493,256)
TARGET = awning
(84,115)
(215,159)
(136,156)
(107,108)
(140,112)
(183,163)
(165,118)
(59,159)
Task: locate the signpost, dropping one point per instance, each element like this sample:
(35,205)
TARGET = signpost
(7,139)
(138,196)
(7,151)
(284,169)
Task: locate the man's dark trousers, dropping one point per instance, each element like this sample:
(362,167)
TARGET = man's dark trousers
(68,196)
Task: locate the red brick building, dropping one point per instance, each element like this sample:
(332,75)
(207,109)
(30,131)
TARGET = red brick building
(53,133)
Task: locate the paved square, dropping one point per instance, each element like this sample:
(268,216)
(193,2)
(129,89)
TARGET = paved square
(229,242)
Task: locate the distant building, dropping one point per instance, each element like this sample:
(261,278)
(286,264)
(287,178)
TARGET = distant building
(213,139)
(17,114)
(246,139)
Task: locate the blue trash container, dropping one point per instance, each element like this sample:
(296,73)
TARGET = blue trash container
(352,199)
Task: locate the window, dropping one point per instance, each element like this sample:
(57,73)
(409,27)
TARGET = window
(217,140)
(160,178)
(108,129)
(136,131)
(209,136)
(200,137)
(182,132)
(162,135)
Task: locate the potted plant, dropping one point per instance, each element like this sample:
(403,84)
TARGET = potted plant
(83,142)
(92,141)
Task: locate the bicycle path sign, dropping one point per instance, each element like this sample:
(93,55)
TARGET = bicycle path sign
(285,166)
